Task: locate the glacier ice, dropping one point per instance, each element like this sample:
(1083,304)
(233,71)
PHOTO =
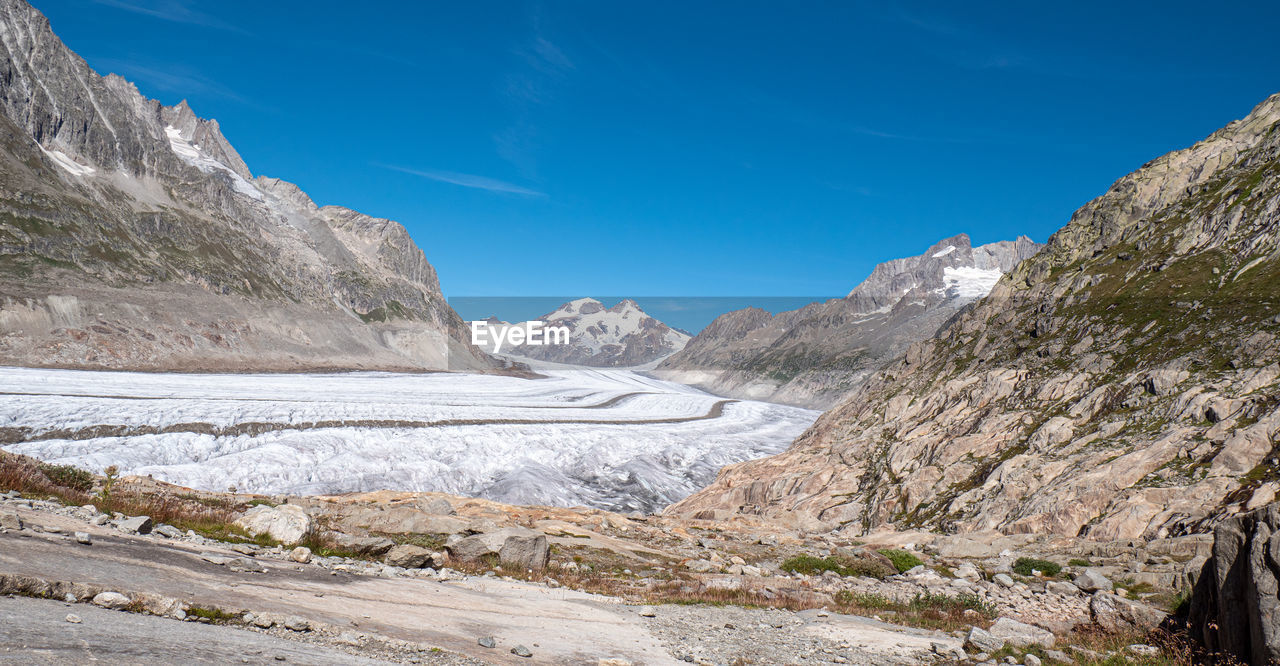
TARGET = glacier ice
(610,439)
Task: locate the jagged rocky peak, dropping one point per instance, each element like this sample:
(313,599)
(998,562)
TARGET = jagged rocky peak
(813,356)
(134,237)
(205,136)
(1122,383)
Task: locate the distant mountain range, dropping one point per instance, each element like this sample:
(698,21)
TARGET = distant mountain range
(618,336)
(813,356)
(132,235)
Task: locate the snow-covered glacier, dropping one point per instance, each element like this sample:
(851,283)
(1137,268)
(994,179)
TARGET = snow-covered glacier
(611,439)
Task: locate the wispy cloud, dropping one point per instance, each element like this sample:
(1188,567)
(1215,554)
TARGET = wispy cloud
(181,81)
(467,180)
(177,11)
(542,68)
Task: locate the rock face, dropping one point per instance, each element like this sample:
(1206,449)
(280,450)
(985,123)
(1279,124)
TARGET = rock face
(132,235)
(619,336)
(287,524)
(1122,383)
(812,356)
(1235,607)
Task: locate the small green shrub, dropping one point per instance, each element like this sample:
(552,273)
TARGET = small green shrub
(947,604)
(1076,562)
(68,477)
(1025,565)
(216,615)
(845,566)
(868,600)
(902,560)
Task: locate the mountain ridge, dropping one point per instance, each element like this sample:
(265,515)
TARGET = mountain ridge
(1123,383)
(813,355)
(135,237)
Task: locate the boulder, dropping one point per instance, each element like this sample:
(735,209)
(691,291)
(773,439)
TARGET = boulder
(408,556)
(10,521)
(136,525)
(169,532)
(1235,605)
(1003,580)
(1092,580)
(1059,587)
(1021,634)
(111,600)
(301,554)
(287,523)
(439,506)
(367,545)
(515,546)
(1117,614)
(981,640)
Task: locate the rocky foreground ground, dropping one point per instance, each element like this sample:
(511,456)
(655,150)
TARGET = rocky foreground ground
(425,578)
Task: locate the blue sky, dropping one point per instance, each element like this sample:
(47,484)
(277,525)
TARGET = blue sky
(704,149)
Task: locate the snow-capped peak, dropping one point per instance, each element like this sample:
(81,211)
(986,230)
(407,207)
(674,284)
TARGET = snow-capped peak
(620,336)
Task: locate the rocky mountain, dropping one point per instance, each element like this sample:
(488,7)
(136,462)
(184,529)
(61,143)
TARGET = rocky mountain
(132,235)
(812,356)
(1122,383)
(618,336)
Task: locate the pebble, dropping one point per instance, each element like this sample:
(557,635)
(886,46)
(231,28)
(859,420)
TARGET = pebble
(73,618)
(487,642)
(83,537)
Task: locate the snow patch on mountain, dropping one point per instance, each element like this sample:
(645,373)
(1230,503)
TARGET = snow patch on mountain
(66,163)
(191,154)
(969,282)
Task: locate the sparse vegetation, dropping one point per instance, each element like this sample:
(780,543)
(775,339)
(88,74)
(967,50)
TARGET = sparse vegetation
(67,476)
(902,560)
(845,566)
(214,615)
(1027,566)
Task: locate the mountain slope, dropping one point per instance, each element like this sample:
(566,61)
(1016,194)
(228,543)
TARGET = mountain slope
(619,336)
(134,236)
(813,356)
(1122,383)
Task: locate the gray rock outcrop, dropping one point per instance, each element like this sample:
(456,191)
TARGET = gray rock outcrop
(1235,606)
